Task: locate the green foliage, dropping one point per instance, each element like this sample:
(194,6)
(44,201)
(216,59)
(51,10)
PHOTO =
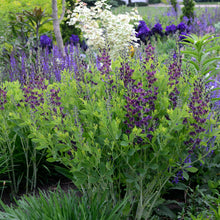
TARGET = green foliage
(24,161)
(91,140)
(63,205)
(36,19)
(217,28)
(66,29)
(114,3)
(207,1)
(203,57)
(87,134)
(154,1)
(188,9)
(14,6)
(137,4)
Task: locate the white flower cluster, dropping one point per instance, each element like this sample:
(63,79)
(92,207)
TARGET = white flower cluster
(103,29)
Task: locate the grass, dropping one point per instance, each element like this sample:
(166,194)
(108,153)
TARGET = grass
(153,12)
(207,3)
(143,11)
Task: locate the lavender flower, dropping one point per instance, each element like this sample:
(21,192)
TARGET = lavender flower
(216,93)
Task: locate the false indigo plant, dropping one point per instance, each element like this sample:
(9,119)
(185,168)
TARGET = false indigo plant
(140,104)
(3,98)
(104,62)
(174,74)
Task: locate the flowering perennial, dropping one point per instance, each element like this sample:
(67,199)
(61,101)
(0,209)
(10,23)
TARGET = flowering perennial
(3,99)
(101,28)
(140,104)
(46,42)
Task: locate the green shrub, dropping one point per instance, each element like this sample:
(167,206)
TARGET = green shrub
(188,9)
(137,4)
(154,1)
(114,3)
(174,4)
(211,1)
(66,29)
(124,126)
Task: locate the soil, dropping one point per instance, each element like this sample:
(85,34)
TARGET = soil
(54,183)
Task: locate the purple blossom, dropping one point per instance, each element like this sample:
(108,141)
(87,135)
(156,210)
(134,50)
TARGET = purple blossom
(142,94)
(142,31)
(157,29)
(3,98)
(74,39)
(182,27)
(105,62)
(126,75)
(171,29)
(215,93)
(45,42)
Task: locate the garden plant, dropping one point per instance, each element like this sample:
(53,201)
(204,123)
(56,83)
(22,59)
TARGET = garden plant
(130,114)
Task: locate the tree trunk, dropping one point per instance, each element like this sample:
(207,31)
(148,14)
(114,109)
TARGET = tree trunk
(56,24)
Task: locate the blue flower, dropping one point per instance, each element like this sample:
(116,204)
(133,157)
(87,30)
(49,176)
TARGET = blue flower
(170,29)
(157,29)
(45,41)
(74,39)
(182,27)
(142,31)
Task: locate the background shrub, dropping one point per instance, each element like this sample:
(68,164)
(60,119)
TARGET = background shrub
(66,29)
(137,4)
(114,3)
(154,1)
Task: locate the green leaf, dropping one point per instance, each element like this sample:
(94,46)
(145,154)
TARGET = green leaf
(154,166)
(51,160)
(179,186)
(185,175)
(192,169)
(195,54)
(211,60)
(124,143)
